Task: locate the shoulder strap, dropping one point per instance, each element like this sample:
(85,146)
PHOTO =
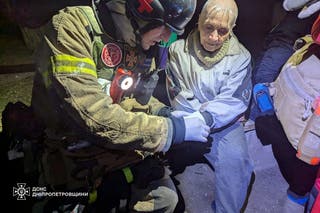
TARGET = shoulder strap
(297,57)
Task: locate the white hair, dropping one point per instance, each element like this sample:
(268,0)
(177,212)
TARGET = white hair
(212,7)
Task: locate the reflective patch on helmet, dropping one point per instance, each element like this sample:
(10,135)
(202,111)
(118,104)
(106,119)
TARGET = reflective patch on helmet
(111,55)
(130,57)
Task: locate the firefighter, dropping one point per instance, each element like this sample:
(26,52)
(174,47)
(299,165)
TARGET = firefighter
(96,70)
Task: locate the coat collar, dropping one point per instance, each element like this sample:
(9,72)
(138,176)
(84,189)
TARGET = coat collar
(193,46)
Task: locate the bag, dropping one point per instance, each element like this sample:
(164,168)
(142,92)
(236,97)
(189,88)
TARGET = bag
(21,133)
(295,93)
(35,13)
(20,144)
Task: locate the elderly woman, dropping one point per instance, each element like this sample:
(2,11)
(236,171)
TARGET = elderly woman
(209,76)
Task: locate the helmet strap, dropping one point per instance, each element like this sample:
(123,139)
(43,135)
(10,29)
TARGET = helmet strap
(104,16)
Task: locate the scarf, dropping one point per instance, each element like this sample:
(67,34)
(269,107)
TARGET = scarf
(207,58)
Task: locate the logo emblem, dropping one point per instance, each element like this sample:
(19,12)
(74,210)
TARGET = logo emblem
(145,6)
(21,191)
(111,54)
(130,58)
(246,94)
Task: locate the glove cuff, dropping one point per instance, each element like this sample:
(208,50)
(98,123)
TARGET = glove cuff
(179,130)
(207,117)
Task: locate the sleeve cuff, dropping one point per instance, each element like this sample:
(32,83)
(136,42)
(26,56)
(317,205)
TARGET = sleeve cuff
(208,118)
(179,130)
(165,111)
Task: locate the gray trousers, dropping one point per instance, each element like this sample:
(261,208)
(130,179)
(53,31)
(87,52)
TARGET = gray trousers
(232,168)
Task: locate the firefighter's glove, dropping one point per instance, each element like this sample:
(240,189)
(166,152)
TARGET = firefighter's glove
(146,171)
(196,128)
(131,104)
(145,88)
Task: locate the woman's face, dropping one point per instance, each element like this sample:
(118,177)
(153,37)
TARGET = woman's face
(214,31)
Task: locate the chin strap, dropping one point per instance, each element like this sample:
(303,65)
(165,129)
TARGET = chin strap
(104,16)
(134,24)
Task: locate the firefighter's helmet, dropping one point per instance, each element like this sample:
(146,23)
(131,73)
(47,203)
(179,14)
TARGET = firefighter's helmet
(173,13)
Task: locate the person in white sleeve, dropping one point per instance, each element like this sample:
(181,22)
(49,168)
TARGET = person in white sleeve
(209,76)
